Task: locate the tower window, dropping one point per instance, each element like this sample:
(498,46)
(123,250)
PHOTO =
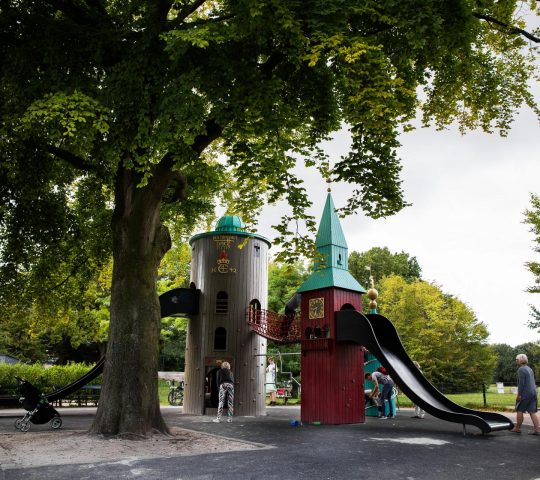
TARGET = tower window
(257,250)
(222,303)
(339,262)
(254,311)
(220,339)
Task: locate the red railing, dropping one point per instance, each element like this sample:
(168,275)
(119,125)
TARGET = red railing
(276,327)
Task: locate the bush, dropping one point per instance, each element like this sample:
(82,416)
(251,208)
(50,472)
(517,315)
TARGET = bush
(44,378)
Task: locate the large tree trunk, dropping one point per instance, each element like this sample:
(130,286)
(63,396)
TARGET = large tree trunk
(129,402)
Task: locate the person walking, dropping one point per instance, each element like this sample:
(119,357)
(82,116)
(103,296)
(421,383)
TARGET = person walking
(418,412)
(225,380)
(270,380)
(527,397)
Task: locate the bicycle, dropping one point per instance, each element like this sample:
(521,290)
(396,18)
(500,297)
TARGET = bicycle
(176,394)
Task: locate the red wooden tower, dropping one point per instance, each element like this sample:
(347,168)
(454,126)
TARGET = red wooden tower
(332,373)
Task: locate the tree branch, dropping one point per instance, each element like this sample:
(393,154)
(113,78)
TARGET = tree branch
(177,192)
(213,131)
(184,13)
(163,175)
(506,27)
(189,9)
(74,160)
(73,272)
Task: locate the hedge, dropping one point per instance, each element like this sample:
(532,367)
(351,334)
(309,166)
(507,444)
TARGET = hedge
(44,378)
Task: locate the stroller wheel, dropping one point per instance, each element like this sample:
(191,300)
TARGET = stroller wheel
(18,423)
(25,426)
(56,422)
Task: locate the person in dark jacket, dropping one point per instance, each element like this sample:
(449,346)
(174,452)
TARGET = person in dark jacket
(225,380)
(527,397)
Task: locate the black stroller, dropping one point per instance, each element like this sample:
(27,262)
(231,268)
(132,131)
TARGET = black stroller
(38,409)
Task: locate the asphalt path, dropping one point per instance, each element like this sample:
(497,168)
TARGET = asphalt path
(403,448)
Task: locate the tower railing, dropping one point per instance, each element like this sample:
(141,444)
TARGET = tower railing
(274,326)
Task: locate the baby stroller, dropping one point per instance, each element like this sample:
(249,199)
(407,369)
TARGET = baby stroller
(38,409)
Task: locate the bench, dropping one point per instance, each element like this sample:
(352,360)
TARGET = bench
(84,397)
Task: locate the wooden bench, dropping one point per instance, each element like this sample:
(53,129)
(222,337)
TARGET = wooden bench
(84,397)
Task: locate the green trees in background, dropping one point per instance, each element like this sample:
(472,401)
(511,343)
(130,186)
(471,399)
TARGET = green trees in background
(66,324)
(380,262)
(122,120)
(505,369)
(174,272)
(283,281)
(532,217)
(437,330)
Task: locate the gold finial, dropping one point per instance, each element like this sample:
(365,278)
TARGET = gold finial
(329,182)
(372,293)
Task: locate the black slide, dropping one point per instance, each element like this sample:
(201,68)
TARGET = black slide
(380,337)
(77,384)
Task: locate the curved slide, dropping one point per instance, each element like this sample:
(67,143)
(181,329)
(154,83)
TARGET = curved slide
(380,337)
(77,384)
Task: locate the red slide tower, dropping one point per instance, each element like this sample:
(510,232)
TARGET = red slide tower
(332,373)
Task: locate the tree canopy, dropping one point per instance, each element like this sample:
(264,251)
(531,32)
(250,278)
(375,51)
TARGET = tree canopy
(438,331)
(532,217)
(380,262)
(122,120)
(505,369)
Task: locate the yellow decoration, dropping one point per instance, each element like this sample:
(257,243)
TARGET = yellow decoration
(316,308)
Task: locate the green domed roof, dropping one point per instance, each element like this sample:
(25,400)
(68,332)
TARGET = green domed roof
(230,224)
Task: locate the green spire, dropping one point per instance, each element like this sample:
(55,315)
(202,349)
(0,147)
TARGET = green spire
(332,270)
(330,241)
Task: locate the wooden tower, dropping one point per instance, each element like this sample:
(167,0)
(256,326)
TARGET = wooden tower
(332,373)
(230,267)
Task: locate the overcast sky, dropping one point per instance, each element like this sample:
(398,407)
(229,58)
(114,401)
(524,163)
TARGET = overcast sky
(465,225)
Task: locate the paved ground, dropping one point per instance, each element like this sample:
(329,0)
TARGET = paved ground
(404,448)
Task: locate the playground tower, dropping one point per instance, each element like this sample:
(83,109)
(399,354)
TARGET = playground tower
(230,268)
(332,372)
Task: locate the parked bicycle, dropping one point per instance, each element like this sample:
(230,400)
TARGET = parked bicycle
(176,394)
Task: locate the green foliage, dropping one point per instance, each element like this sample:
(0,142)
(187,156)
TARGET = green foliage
(37,331)
(283,282)
(380,263)
(120,119)
(173,343)
(532,218)
(440,332)
(125,85)
(284,279)
(505,370)
(44,378)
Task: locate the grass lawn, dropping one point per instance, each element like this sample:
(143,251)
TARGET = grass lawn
(163,392)
(475,400)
